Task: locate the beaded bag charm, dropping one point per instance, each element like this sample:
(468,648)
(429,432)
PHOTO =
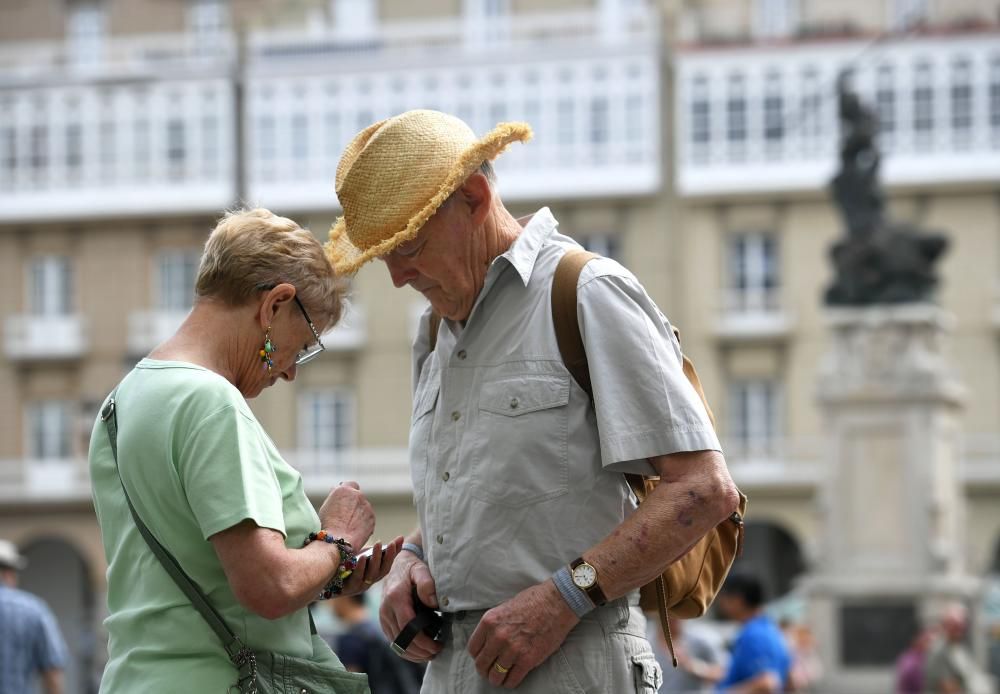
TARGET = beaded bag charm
(268,349)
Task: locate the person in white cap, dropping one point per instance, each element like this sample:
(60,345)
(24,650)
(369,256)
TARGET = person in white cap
(529,540)
(31,646)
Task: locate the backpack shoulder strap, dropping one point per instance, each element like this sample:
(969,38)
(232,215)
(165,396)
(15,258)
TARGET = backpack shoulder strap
(435,324)
(564,316)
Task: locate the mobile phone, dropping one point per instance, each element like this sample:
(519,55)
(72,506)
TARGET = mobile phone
(370,551)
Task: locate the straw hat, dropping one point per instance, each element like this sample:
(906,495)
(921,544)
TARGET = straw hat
(396,173)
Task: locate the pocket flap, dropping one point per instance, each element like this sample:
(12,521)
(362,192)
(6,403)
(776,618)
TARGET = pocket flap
(648,676)
(513,397)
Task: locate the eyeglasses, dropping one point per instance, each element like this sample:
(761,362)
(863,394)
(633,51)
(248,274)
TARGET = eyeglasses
(309,352)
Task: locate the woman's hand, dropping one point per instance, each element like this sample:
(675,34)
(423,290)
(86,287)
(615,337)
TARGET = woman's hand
(347,513)
(371,570)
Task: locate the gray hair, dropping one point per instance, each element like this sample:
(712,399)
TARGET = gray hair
(254,249)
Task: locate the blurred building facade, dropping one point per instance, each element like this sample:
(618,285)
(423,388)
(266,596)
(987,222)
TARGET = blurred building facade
(691,140)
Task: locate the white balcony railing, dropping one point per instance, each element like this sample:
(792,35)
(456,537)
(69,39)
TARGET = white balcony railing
(764,118)
(379,471)
(147,329)
(30,336)
(137,55)
(777,462)
(753,313)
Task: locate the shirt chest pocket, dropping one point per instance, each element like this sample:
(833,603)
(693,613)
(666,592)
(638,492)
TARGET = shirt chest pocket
(521,440)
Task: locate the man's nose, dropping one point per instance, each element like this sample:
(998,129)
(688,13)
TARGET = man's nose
(289,373)
(399,269)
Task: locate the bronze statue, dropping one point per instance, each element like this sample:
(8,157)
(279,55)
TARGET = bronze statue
(880,262)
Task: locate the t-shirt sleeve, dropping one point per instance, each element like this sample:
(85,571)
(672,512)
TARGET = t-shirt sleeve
(755,656)
(50,649)
(645,404)
(227,474)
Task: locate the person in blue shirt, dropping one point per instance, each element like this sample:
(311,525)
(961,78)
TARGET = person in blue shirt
(760,659)
(30,643)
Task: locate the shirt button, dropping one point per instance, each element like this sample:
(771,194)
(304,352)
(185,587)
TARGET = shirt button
(446,602)
(446,476)
(456,415)
(514,403)
(462,355)
(440,539)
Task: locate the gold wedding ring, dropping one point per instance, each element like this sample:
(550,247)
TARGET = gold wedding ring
(500,668)
(367,582)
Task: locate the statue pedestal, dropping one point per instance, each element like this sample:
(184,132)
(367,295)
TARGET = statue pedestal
(891,502)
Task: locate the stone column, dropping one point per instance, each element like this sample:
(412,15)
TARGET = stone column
(891,503)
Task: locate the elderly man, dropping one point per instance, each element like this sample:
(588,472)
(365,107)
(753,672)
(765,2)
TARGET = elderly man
(529,538)
(31,647)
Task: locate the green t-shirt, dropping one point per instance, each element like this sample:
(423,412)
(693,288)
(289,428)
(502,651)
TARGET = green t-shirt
(195,461)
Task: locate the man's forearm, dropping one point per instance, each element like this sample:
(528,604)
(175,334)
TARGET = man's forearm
(52,681)
(696,496)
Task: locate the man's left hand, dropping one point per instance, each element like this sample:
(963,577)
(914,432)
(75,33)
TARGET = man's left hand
(517,636)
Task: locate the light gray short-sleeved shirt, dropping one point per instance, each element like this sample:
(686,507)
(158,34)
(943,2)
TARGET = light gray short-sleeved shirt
(514,472)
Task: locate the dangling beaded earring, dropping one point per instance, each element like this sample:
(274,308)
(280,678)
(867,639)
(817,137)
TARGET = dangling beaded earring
(268,350)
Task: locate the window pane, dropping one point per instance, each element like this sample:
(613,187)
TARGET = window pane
(327,423)
(178,271)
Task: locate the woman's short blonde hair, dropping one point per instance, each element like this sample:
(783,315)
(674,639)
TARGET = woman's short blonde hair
(254,249)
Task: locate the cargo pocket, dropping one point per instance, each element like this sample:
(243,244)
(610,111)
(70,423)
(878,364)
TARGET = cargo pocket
(647,673)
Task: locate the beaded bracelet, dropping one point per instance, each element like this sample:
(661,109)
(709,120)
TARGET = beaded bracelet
(348,561)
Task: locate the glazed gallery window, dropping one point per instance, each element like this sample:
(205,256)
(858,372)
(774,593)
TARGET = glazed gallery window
(85,29)
(775,18)
(752,273)
(754,422)
(904,14)
(50,281)
(49,426)
(357,19)
(326,420)
(207,20)
(176,271)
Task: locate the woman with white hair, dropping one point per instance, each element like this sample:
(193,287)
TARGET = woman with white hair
(178,455)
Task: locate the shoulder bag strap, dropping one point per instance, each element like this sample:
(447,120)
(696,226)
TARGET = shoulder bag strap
(234,647)
(567,326)
(435,324)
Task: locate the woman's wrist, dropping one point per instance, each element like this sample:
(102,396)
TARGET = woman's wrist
(345,567)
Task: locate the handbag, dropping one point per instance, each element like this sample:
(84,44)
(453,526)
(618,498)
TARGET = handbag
(257,671)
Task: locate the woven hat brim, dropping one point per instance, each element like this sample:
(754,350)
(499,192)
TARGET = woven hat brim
(347,258)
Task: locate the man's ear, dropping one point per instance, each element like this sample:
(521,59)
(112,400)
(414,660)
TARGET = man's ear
(477,195)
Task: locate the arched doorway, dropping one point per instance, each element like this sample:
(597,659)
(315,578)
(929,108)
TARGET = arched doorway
(59,575)
(773,555)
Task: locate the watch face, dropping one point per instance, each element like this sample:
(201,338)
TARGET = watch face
(584,576)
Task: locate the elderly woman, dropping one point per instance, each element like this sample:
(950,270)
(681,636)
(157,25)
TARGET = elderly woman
(210,484)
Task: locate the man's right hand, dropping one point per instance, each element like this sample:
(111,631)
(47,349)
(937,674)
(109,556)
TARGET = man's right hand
(397,604)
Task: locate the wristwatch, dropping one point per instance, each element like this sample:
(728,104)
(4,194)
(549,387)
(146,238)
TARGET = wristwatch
(585,578)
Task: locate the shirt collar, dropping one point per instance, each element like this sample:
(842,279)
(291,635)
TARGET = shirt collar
(524,251)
